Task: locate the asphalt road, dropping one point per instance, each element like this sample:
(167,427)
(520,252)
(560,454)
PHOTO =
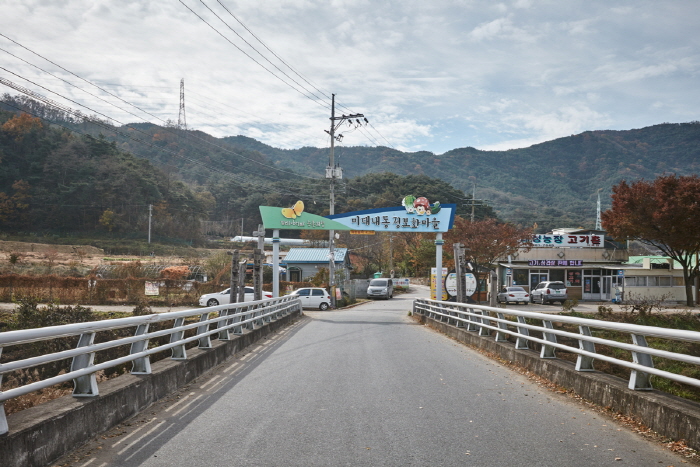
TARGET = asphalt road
(367,386)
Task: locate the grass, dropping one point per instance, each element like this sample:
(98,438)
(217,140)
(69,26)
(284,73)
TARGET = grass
(684,321)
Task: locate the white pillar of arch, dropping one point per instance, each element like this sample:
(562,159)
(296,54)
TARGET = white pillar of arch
(438,266)
(275,263)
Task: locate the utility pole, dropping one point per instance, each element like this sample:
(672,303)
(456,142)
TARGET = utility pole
(150,215)
(258,257)
(333,173)
(474,201)
(233,285)
(459,264)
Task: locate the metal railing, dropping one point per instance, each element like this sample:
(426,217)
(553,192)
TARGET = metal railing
(221,320)
(484,320)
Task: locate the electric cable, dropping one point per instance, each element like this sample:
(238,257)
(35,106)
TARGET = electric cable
(126,102)
(259,53)
(250,57)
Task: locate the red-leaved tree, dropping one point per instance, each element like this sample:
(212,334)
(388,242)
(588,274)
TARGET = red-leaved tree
(488,240)
(664,213)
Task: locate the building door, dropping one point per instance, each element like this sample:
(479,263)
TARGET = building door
(294,274)
(607,292)
(536,277)
(592,284)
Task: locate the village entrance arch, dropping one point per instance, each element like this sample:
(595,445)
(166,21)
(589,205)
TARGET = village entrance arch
(416,214)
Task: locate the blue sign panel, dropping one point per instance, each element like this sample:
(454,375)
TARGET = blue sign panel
(400,219)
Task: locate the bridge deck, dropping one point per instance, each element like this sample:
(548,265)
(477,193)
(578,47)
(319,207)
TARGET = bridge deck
(367,386)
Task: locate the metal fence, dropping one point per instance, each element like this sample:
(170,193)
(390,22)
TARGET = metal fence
(207,323)
(489,321)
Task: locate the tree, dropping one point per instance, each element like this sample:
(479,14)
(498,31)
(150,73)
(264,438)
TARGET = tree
(20,125)
(487,240)
(664,213)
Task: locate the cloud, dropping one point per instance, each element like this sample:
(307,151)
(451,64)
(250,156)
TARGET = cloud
(428,75)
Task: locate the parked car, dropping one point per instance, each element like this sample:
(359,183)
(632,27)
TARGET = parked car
(314,297)
(549,291)
(513,295)
(222,298)
(380,288)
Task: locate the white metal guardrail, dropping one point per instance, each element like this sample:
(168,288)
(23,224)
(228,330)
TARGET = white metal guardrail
(221,320)
(485,320)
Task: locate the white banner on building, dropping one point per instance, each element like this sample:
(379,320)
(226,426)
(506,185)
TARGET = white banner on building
(568,241)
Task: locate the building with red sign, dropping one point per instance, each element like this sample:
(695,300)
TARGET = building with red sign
(593,267)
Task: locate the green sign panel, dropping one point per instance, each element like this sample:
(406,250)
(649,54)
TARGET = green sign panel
(295,218)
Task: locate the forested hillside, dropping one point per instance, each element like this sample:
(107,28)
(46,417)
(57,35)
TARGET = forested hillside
(65,175)
(553,184)
(53,180)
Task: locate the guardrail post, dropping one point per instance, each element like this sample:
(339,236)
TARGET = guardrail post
(221,326)
(547,350)
(237,318)
(639,380)
(179,351)
(4,427)
(140,366)
(459,322)
(251,324)
(205,341)
(84,386)
(500,336)
(471,326)
(521,342)
(261,311)
(484,331)
(583,362)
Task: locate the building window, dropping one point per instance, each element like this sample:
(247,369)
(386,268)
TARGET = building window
(556,275)
(573,278)
(520,277)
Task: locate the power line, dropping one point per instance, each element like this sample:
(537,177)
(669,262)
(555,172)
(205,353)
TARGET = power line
(249,56)
(273,53)
(126,102)
(256,50)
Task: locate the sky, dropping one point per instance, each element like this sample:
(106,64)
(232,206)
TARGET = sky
(428,76)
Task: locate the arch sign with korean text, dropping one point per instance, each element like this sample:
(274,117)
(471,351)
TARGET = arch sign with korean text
(416,214)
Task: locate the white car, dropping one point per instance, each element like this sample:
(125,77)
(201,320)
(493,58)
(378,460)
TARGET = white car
(513,294)
(222,298)
(313,297)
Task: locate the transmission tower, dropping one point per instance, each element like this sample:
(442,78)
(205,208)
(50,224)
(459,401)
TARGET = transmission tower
(181,118)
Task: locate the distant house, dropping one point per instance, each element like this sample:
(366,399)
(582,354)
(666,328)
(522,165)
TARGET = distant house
(304,263)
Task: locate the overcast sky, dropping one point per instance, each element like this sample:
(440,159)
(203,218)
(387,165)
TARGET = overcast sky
(428,75)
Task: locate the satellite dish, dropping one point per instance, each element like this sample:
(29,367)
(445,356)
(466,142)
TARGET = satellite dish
(337,236)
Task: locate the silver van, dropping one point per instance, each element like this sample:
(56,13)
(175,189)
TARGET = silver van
(380,288)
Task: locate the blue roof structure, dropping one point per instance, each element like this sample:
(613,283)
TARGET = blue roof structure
(314,255)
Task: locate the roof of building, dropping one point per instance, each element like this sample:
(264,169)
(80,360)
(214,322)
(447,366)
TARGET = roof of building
(314,255)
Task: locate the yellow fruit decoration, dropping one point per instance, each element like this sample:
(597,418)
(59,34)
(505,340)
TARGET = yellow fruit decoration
(289,213)
(298,207)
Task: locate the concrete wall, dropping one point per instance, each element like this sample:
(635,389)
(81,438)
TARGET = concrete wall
(668,415)
(42,434)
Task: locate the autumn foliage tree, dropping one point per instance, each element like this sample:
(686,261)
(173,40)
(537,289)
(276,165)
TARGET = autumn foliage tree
(486,241)
(664,213)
